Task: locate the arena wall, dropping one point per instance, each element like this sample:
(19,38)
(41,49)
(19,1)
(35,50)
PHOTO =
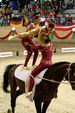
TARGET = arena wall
(5,30)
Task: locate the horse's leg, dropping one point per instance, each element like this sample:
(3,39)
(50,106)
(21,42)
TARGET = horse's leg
(45,106)
(13,98)
(38,106)
(18,93)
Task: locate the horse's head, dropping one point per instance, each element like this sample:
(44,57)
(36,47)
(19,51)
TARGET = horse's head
(71,75)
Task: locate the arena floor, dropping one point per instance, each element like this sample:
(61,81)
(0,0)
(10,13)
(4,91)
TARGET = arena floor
(65,103)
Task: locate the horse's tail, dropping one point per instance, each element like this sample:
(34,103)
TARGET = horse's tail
(5,78)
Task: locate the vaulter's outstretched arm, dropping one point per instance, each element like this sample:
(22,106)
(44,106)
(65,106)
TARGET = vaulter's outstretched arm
(30,34)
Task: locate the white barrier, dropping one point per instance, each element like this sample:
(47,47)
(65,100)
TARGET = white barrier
(9,54)
(6,54)
(25,53)
(72,49)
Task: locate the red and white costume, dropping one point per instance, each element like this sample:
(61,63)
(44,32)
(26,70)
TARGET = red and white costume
(44,63)
(30,46)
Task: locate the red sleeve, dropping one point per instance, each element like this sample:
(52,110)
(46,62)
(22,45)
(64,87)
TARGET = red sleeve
(40,47)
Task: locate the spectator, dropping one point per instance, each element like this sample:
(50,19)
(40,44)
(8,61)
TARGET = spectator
(53,1)
(5,21)
(1,21)
(32,13)
(57,20)
(8,20)
(34,8)
(47,21)
(49,11)
(60,4)
(70,4)
(26,12)
(52,13)
(30,18)
(38,9)
(42,20)
(50,4)
(56,11)
(46,4)
(9,11)
(1,13)
(39,4)
(64,7)
(25,20)
(69,20)
(52,18)
(29,7)
(43,11)
(2,10)
(14,7)
(63,20)
(55,4)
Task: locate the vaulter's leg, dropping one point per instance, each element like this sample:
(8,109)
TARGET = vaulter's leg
(35,72)
(45,106)
(31,84)
(29,54)
(38,106)
(28,49)
(35,57)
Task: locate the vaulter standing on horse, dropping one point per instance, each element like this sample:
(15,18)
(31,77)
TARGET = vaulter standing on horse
(28,43)
(45,48)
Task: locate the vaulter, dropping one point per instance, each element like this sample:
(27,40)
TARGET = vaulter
(45,48)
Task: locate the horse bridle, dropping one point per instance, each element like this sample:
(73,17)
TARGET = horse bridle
(68,72)
(54,81)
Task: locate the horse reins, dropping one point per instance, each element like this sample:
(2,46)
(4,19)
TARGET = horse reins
(69,73)
(54,81)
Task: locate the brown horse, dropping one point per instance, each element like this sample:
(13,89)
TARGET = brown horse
(46,90)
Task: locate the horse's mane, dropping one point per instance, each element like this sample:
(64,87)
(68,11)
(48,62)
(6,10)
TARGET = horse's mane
(52,69)
(57,64)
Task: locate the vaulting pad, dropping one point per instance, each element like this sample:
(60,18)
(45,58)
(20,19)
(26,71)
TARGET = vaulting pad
(22,74)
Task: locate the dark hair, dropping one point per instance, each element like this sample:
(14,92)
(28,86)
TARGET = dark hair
(47,39)
(51,24)
(36,15)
